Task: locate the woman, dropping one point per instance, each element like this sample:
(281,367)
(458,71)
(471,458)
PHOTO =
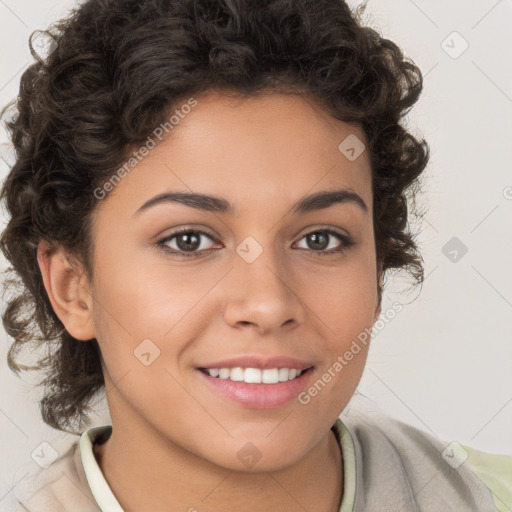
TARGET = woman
(205,201)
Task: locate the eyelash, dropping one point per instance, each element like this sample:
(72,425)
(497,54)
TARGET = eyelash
(347,242)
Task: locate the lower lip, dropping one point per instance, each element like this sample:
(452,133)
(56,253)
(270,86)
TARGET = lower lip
(259,396)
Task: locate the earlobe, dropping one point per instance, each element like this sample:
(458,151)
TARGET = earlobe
(68,291)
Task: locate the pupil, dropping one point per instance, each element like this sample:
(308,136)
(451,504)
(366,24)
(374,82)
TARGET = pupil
(315,237)
(190,245)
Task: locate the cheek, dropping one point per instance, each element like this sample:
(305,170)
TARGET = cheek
(143,292)
(138,300)
(342,303)
(344,312)
(347,315)
(343,297)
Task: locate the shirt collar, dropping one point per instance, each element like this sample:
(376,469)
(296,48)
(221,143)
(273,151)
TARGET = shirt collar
(99,486)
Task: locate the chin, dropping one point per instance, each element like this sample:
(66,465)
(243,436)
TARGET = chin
(249,457)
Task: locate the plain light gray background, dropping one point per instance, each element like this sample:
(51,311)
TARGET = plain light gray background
(444,363)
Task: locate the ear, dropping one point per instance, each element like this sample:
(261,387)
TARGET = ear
(68,290)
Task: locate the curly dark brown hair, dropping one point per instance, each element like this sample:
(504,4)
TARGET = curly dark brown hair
(117,70)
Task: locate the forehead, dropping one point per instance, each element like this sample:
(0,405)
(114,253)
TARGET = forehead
(251,151)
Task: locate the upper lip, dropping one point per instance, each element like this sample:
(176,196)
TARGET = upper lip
(260,362)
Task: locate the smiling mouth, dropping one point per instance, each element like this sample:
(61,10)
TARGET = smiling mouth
(257,388)
(255,375)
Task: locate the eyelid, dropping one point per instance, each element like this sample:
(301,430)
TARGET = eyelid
(327,227)
(183,229)
(204,230)
(346,239)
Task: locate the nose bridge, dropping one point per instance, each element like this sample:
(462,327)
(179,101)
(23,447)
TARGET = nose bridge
(263,291)
(261,271)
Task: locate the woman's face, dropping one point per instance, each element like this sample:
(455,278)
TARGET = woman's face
(264,280)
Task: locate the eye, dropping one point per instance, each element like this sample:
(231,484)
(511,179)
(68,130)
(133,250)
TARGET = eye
(188,242)
(320,240)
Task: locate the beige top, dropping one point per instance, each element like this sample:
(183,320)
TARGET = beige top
(388,466)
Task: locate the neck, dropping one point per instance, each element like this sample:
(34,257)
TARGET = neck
(172,478)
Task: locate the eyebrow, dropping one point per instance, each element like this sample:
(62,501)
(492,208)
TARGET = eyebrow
(207,203)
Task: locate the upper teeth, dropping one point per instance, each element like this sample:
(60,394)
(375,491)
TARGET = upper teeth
(255,375)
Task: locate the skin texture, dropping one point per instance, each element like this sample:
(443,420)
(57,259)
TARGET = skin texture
(174,440)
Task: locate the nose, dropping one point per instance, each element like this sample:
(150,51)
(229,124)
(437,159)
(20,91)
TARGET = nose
(264,295)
